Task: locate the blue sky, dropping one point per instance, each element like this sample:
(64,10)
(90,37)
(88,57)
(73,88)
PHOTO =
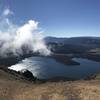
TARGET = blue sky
(65,18)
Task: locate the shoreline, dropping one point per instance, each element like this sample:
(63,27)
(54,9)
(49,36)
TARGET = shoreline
(13,87)
(28,76)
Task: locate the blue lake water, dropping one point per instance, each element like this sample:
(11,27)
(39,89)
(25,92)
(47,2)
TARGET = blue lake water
(44,68)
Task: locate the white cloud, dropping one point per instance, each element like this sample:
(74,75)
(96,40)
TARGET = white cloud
(13,37)
(7,12)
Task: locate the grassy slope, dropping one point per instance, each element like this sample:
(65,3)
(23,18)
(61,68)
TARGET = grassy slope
(11,88)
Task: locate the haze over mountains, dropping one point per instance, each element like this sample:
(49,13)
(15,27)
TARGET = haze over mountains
(75,40)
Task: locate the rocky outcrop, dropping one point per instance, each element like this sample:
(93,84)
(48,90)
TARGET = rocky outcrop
(28,75)
(24,76)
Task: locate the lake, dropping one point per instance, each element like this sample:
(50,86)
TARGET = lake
(45,68)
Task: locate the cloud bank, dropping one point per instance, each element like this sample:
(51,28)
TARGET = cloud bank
(14,38)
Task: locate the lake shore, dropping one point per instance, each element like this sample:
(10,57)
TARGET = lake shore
(14,87)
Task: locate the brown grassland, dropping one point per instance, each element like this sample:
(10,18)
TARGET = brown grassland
(12,88)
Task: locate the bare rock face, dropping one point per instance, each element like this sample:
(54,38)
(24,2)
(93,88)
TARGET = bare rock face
(28,75)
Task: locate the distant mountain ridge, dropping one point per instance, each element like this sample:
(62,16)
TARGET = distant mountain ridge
(54,39)
(72,45)
(85,41)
